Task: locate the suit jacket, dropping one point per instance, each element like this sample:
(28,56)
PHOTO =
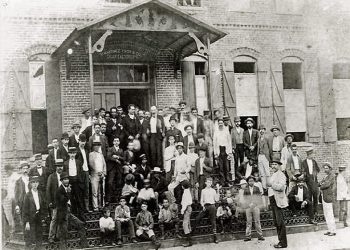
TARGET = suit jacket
(79,166)
(234,134)
(51,189)
(131,126)
(144,172)
(294,192)
(20,193)
(263,146)
(160,126)
(73,142)
(174,132)
(104,143)
(207,169)
(204,146)
(128,158)
(159,184)
(88,132)
(29,208)
(62,198)
(79,156)
(62,153)
(256,198)
(326,186)
(200,126)
(115,163)
(290,168)
(185,141)
(50,163)
(311,179)
(278,185)
(270,141)
(240,172)
(111,134)
(42,178)
(247,141)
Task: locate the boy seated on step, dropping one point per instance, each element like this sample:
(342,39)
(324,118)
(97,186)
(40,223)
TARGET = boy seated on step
(122,218)
(129,159)
(129,191)
(148,195)
(168,217)
(224,215)
(106,227)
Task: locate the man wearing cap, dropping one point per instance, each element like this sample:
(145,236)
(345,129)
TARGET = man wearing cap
(114,128)
(197,122)
(189,138)
(83,157)
(115,158)
(263,156)
(97,173)
(276,143)
(250,139)
(278,201)
(62,152)
(40,171)
(310,170)
(74,138)
(86,120)
(53,183)
(299,198)
(142,171)
(343,195)
(182,168)
(173,131)
(326,186)
(64,215)
(99,137)
(222,149)
(287,149)
(157,133)
(34,213)
(237,141)
(74,169)
(293,167)
(21,186)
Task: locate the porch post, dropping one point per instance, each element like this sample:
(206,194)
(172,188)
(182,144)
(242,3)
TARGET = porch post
(91,74)
(208,75)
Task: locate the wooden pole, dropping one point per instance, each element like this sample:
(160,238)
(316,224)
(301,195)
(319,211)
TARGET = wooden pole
(91,65)
(208,77)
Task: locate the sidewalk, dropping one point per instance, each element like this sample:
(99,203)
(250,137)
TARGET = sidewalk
(312,240)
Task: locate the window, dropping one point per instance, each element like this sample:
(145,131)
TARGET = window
(341,71)
(199,68)
(244,67)
(291,75)
(122,73)
(194,3)
(118,1)
(298,136)
(37,85)
(343,128)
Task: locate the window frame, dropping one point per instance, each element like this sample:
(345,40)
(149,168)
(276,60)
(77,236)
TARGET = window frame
(31,85)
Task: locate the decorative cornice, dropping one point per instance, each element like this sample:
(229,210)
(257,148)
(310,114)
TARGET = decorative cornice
(292,53)
(260,26)
(245,51)
(39,48)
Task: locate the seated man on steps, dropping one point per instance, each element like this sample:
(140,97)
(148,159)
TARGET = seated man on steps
(168,217)
(122,217)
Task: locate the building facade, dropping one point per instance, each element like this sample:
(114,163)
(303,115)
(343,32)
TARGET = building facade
(279,62)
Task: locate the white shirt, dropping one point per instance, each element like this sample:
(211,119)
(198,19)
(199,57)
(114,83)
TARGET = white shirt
(58,179)
(55,153)
(132,117)
(25,179)
(85,162)
(275,144)
(11,183)
(36,199)
(248,171)
(296,162)
(309,164)
(153,124)
(76,137)
(190,139)
(342,188)
(194,122)
(72,167)
(208,196)
(300,194)
(106,223)
(251,189)
(250,131)
(169,153)
(40,170)
(182,164)
(201,165)
(192,158)
(84,124)
(222,138)
(186,200)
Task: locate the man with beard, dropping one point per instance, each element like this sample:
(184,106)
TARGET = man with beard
(145,132)
(250,139)
(114,128)
(237,142)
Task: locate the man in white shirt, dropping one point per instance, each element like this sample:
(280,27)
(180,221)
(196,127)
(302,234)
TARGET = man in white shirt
(276,143)
(343,195)
(170,154)
(86,120)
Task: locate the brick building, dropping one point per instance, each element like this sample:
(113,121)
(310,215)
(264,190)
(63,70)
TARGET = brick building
(276,61)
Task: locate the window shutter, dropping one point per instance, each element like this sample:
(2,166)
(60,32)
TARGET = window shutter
(215,83)
(188,90)
(265,100)
(229,89)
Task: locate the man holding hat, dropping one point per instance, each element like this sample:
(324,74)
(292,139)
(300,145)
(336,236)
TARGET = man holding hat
(250,139)
(64,215)
(86,120)
(53,183)
(62,152)
(21,186)
(263,156)
(326,186)
(343,195)
(173,131)
(41,171)
(74,138)
(293,167)
(276,143)
(310,170)
(278,201)
(189,138)
(237,141)
(34,213)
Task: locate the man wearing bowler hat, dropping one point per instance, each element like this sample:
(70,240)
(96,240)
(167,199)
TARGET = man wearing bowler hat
(40,171)
(250,139)
(237,141)
(62,152)
(276,143)
(173,131)
(74,138)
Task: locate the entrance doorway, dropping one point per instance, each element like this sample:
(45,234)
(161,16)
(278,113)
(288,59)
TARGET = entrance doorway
(139,97)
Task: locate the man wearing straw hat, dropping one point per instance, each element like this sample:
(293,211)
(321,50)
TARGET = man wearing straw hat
(250,139)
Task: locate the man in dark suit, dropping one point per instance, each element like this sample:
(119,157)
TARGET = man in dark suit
(34,212)
(310,170)
(293,167)
(173,131)
(40,171)
(250,139)
(98,137)
(74,169)
(202,144)
(142,171)
(299,198)
(21,186)
(247,169)
(114,128)
(190,137)
(237,141)
(53,182)
(145,134)
(203,169)
(115,160)
(198,126)
(83,156)
(74,138)
(62,152)
(157,133)
(90,130)
(131,124)
(63,201)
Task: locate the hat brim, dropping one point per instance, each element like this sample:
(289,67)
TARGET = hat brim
(274,129)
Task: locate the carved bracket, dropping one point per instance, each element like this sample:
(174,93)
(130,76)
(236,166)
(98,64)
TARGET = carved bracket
(100,44)
(201,48)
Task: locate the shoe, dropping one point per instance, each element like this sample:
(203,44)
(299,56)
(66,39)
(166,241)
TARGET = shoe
(279,245)
(216,239)
(113,244)
(345,224)
(157,245)
(51,241)
(261,238)
(101,245)
(247,239)
(95,209)
(133,240)
(332,234)
(119,243)
(177,235)
(327,233)
(162,237)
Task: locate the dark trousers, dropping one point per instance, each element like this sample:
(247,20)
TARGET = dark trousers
(314,193)
(210,212)
(278,219)
(224,166)
(77,198)
(106,236)
(145,146)
(239,154)
(35,234)
(129,224)
(294,206)
(114,175)
(62,228)
(201,182)
(156,151)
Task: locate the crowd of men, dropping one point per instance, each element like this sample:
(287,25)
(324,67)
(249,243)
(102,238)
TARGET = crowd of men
(161,162)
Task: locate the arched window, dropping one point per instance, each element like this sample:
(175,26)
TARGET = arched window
(292,73)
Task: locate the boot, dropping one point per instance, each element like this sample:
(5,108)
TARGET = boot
(345,218)
(177,234)
(216,239)
(162,232)
(155,242)
(189,241)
